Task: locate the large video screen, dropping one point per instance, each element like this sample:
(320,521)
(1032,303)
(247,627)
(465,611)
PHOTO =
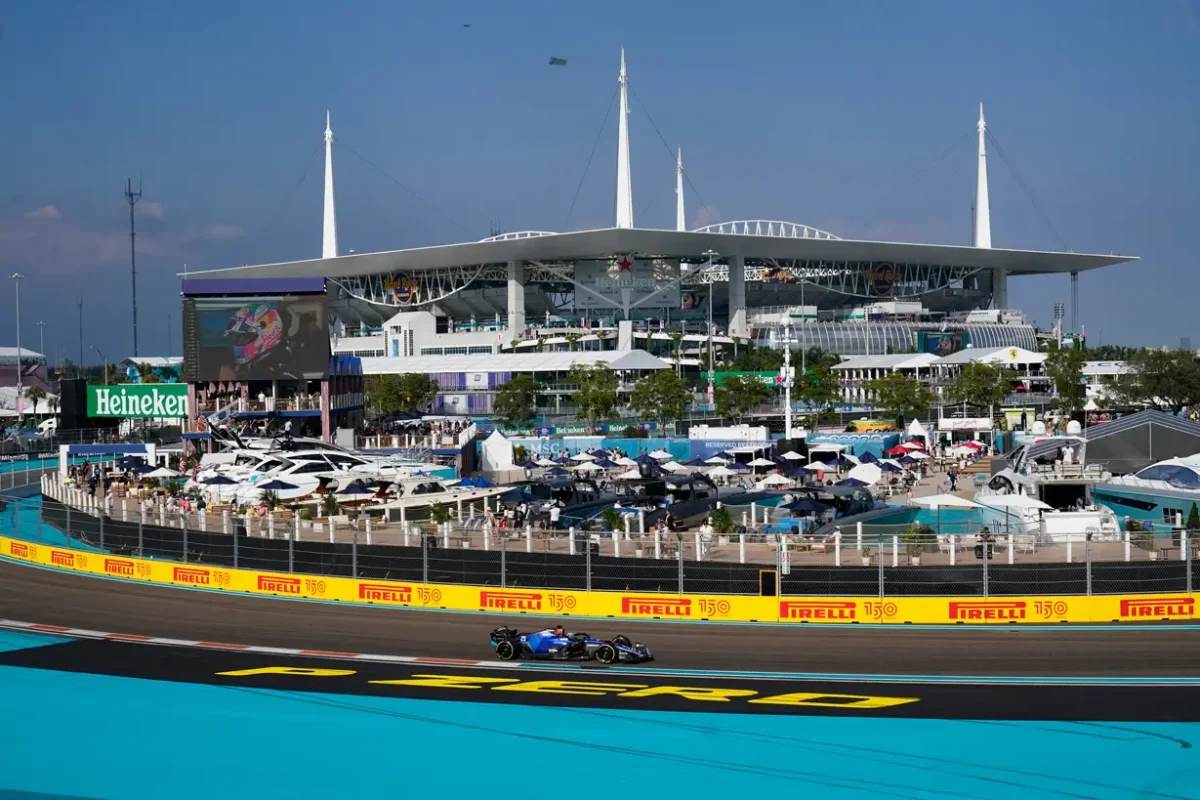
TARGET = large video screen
(256,338)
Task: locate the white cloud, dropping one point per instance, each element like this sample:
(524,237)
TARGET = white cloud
(222,231)
(706,215)
(153,209)
(45,212)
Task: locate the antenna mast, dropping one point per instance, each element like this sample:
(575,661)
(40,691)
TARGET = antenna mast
(132,198)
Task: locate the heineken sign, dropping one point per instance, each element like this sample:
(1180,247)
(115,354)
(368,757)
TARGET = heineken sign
(148,400)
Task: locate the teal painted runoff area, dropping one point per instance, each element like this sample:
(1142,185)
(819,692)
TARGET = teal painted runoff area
(193,741)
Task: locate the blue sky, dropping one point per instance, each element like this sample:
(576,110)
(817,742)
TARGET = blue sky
(836,114)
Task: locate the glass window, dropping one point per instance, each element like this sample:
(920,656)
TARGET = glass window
(1181,477)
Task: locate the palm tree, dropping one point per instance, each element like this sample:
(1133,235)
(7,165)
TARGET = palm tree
(35,394)
(52,401)
(572,338)
(677,338)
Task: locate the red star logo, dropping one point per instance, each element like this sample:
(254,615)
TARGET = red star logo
(625,264)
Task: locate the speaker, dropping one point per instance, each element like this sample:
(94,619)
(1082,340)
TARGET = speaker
(72,407)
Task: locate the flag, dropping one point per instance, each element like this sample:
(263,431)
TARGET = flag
(557,62)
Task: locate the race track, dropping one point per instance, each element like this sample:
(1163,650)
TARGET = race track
(54,598)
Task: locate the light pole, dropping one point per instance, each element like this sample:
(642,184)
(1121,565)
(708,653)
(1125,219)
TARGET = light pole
(16,279)
(42,337)
(711,375)
(102,361)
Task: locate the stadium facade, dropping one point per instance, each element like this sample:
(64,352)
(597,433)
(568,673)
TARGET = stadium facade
(766,280)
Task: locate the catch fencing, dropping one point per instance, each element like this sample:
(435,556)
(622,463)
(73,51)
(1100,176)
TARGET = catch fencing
(871,561)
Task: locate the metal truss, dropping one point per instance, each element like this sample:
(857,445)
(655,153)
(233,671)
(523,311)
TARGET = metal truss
(767,227)
(412,290)
(504,237)
(863,279)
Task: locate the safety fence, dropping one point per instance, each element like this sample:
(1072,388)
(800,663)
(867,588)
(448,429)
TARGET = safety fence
(878,565)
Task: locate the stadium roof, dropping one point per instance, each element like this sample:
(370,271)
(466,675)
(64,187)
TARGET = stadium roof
(515,362)
(889,361)
(1012,355)
(686,245)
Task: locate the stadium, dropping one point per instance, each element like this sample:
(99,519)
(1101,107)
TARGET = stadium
(749,279)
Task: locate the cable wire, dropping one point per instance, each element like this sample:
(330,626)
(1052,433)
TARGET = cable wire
(591,155)
(667,145)
(1028,191)
(406,188)
(273,217)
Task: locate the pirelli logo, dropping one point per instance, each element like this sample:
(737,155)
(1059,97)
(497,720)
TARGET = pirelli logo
(987,610)
(818,609)
(119,566)
(267,583)
(384,593)
(192,576)
(511,601)
(20,550)
(1158,608)
(657,606)
(60,559)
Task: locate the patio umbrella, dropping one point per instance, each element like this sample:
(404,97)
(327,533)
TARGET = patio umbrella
(939,501)
(775,479)
(740,467)
(888,466)
(588,466)
(716,460)
(631,475)
(761,462)
(867,473)
(850,458)
(626,461)
(219,480)
(162,472)
(721,472)
(562,460)
(583,457)
(276,485)
(913,446)
(918,455)
(819,466)
(659,454)
(869,458)
(557,472)
(530,465)
(792,455)
(807,504)
(607,463)
(697,462)
(545,462)
(724,455)
(672,466)
(645,459)
(851,482)
(802,472)
(355,487)
(897,451)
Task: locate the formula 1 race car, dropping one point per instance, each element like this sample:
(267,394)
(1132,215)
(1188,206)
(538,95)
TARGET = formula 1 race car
(551,646)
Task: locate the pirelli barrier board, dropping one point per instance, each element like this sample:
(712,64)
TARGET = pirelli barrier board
(625,605)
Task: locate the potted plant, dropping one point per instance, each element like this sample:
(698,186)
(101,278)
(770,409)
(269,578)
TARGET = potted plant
(438,513)
(270,499)
(306,515)
(611,519)
(329,505)
(722,521)
(917,539)
(866,557)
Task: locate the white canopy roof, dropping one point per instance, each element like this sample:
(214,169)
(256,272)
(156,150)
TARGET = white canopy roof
(1012,501)
(660,454)
(915,428)
(820,466)
(583,457)
(587,466)
(775,479)
(867,473)
(672,466)
(721,472)
(792,455)
(828,447)
(632,475)
(761,462)
(944,501)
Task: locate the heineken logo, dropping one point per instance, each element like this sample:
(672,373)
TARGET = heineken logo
(138,400)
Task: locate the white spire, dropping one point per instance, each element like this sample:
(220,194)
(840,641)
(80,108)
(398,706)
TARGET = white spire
(329,229)
(680,224)
(983,214)
(624,185)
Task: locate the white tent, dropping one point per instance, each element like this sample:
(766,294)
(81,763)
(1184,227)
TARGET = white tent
(721,472)
(915,429)
(761,462)
(867,473)
(792,455)
(944,501)
(587,466)
(583,457)
(963,451)
(660,454)
(775,479)
(496,455)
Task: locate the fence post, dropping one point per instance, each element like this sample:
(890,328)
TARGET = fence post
(446,535)
(679,539)
(353,549)
(986,553)
(1012,546)
(895,550)
(295,528)
(1128,553)
(1183,538)
(587,564)
(68,530)
(1187,547)
(292,552)
(641,522)
(407,532)
(1087,558)
(697,544)
(879,558)
(1070,548)
(571,541)
(953,540)
(629,523)
(503,560)
(368,523)
(271,525)
(858,536)
(235,549)
(657,544)
(837,549)
(141,521)
(332,529)
(424,557)
(185,543)
(225,522)
(528,538)
(616,543)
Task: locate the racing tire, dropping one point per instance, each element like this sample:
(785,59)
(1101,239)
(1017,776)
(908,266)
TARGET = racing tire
(623,640)
(506,650)
(606,654)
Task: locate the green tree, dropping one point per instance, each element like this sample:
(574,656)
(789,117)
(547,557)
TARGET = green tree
(383,393)
(901,395)
(596,397)
(416,391)
(515,401)
(572,338)
(983,386)
(661,396)
(677,342)
(819,387)
(755,359)
(35,395)
(1161,378)
(741,394)
(1064,367)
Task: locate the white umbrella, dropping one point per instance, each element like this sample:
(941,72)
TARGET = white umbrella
(761,462)
(820,466)
(853,459)
(545,462)
(792,455)
(583,457)
(587,466)
(912,446)
(962,451)
(626,461)
(660,454)
(672,466)
(715,460)
(632,475)
(918,455)
(867,473)
(162,472)
(721,472)
(944,501)
(775,479)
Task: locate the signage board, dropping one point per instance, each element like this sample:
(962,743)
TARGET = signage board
(139,400)
(624,282)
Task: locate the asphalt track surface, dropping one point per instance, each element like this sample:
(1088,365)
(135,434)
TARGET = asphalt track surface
(55,598)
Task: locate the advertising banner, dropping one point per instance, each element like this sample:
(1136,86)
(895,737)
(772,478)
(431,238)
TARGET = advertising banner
(624,283)
(942,344)
(138,400)
(256,338)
